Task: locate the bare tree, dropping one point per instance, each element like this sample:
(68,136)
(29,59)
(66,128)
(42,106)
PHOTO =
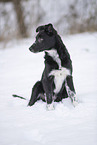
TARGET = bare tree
(20,17)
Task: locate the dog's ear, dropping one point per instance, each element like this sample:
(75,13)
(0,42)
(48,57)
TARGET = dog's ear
(49,29)
(40,28)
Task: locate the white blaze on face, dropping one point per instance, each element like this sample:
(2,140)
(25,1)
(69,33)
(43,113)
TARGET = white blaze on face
(60,74)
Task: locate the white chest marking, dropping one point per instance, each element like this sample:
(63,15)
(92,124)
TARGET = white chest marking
(53,53)
(60,74)
(59,77)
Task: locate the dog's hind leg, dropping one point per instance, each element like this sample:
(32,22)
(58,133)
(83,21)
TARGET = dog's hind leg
(71,91)
(36,91)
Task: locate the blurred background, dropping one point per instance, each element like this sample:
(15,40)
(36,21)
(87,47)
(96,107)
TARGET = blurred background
(19,18)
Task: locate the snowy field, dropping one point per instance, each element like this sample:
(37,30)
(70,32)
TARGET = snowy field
(66,125)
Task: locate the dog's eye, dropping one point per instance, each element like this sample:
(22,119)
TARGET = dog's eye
(49,33)
(40,40)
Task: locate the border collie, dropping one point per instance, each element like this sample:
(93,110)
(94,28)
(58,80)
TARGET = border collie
(57,81)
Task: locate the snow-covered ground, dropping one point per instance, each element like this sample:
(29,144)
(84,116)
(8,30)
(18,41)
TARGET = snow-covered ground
(66,125)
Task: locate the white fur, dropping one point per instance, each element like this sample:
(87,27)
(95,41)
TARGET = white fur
(72,95)
(50,107)
(59,77)
(74,101)
(60,74)
(53,53)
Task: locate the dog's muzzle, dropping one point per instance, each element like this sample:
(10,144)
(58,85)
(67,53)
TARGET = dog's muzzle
(32,48)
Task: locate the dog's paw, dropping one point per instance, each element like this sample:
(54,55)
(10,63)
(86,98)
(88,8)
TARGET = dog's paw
(50,107)
(75,101)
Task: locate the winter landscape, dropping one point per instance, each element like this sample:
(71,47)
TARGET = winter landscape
(66,125)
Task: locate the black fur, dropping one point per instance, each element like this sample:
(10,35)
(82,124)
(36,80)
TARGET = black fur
(47,39)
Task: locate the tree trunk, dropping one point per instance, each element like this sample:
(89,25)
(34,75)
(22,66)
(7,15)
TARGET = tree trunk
(20,18)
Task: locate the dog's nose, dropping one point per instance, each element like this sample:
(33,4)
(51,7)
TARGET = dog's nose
(31,49)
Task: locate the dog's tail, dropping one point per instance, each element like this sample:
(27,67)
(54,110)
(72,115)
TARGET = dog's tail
(16,96)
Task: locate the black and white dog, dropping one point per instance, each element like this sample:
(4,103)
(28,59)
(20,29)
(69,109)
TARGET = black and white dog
(56,82)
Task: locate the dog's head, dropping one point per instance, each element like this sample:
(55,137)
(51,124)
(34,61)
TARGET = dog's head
(45,39)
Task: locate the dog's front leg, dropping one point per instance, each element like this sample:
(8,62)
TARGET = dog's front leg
(50,105)
(48,86)
(71,91)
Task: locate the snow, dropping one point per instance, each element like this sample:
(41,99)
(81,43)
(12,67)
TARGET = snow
(66,125)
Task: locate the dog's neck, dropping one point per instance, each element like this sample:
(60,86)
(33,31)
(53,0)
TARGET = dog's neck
(54,54)
(61,48)
(59,54)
